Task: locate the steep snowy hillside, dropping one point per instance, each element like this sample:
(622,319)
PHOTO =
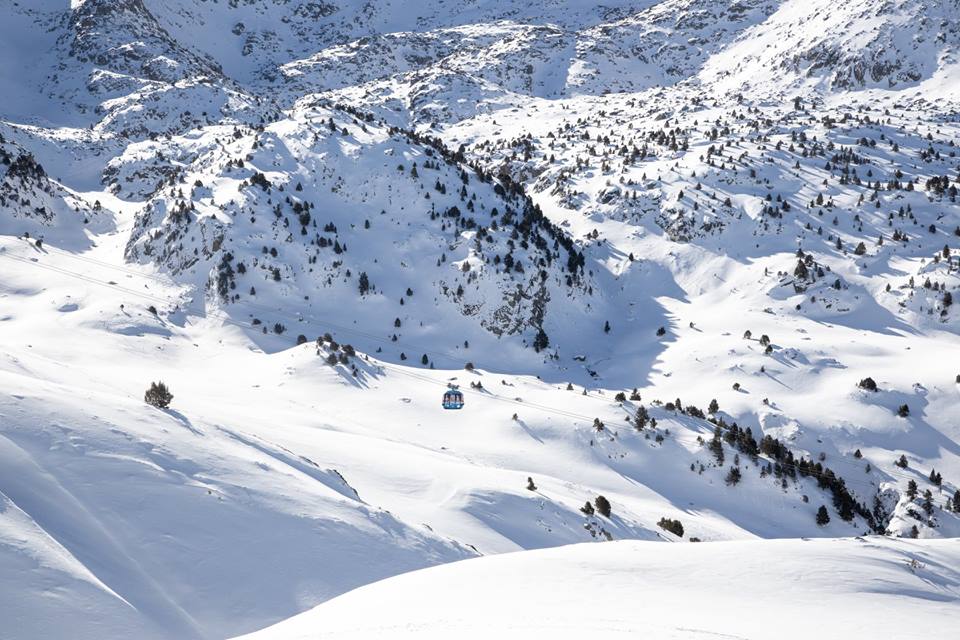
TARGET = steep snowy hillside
(31,202)
(353,220)
(849,45)
(693,264)
(690,592)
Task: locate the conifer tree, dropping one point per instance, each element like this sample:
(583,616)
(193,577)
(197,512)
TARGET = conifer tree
(822,516)
(602,505)
(911,489)
(158,395)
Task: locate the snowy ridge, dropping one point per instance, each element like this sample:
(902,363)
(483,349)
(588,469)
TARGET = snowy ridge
(884,587)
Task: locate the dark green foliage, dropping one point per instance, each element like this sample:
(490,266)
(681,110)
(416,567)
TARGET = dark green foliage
(868,384)
(733,476)
(642,418)
(843,500)
(935,478)
(716,445)
(541,341)
(158,395)
(928,502)
(822,516)
(602,505)
(587,508)
(673,526)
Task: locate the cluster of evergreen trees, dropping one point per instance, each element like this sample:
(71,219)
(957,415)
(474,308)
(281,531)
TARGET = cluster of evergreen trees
(786,465)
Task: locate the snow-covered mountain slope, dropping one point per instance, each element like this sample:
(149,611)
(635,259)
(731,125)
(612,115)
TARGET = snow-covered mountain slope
(275,470)
(697,258)
(350,220)
(689,592)
(31,202)
(849,45)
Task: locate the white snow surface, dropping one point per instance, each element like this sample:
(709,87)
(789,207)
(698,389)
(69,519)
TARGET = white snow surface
(743,590)
(308,218)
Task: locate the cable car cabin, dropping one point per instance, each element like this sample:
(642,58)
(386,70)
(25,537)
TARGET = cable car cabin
(453,399)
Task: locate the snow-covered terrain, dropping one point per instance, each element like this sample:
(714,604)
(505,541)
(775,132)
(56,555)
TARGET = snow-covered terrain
(744,589)
(692,263)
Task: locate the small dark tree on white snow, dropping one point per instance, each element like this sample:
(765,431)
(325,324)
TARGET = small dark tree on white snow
(158,395)
(822,516)
(602,505)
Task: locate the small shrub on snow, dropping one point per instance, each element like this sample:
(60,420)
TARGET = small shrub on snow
(158,395)
(673,526)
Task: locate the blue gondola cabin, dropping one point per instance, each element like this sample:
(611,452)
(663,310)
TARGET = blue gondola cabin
(453,399)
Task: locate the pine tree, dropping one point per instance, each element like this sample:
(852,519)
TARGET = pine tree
(602,505)
(642,418)
(541,342)
(364,283)
(733,476)
(935,478)
(530,485)
(158,395)
(928,502)
(714,407)
(587,508)
(911,489)
(716,445)
(822,516)
(673,526)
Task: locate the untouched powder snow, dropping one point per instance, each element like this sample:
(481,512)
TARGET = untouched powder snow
(751,590)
